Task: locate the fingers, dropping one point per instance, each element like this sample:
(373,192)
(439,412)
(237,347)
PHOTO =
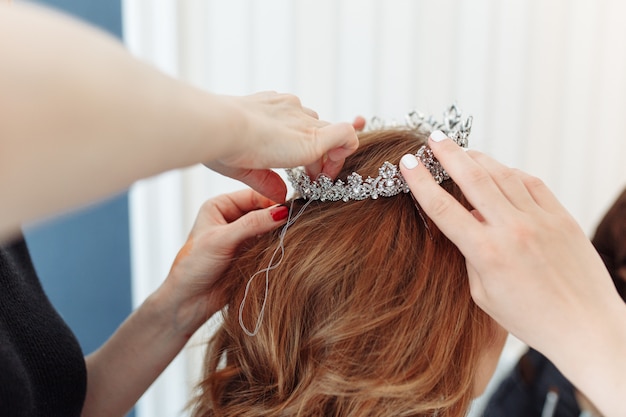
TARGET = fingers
(324,165)
(246,214)
(513,188)
(541,193)
(332,168)
(283,133)
(454,220)
(509,181)
(257,222)
(227,208)
(475,181)
(338,141)
(333,162)
(310,112)
(315,168)
(266,182)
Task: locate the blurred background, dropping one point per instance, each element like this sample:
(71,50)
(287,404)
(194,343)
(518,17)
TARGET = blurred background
(544,81)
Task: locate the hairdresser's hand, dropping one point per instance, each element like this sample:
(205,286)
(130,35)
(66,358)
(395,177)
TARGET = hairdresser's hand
(528,260)
(276,131)
(144,345)
(223,223)
(530,265)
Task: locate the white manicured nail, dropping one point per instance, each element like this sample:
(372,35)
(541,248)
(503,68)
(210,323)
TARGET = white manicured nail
(438,136)
(409,161)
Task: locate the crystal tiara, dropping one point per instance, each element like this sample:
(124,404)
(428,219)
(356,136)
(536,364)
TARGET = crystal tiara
(389,181)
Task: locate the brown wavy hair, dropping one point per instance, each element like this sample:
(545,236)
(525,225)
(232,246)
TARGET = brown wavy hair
(369,313)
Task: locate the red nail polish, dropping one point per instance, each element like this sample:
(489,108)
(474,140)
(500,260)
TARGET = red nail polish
(279,213)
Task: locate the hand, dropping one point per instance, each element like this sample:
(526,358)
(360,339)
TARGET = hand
(328,167)
(280,133)
(223,223)
(530,265)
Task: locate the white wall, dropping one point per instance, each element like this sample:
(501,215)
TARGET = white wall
(545,82)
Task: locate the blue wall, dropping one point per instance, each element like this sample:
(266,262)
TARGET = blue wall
(105,14)
(84,265)
(83,259)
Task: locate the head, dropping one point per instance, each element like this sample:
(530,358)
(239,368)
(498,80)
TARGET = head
(369,313)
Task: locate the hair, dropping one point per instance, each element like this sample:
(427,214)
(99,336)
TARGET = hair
(610,242)
(369,313)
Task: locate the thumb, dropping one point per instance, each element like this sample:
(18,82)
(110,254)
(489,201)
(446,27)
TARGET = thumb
(266,182)
(332,168)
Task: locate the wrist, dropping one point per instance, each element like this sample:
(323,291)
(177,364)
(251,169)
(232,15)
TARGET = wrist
(593,360)
(217,124)
(182,313)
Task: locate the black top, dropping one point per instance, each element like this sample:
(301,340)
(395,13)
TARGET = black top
(42,369)
(524,392)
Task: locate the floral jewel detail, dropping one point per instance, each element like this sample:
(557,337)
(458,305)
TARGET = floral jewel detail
(389,181)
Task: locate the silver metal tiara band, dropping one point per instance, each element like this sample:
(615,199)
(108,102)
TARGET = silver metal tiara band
(389,181)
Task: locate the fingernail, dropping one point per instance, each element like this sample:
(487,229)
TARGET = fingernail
(409,161)
(438,136)
(279,213)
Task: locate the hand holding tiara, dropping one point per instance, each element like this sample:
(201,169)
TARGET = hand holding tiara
(389,181)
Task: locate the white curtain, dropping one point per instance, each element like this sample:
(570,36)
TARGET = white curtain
(545,82)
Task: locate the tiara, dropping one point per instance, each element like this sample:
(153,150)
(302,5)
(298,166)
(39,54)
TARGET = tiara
(389,181)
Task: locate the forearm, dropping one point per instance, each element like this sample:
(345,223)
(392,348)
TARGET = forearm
(81,118)
(595,360)
(129,362)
